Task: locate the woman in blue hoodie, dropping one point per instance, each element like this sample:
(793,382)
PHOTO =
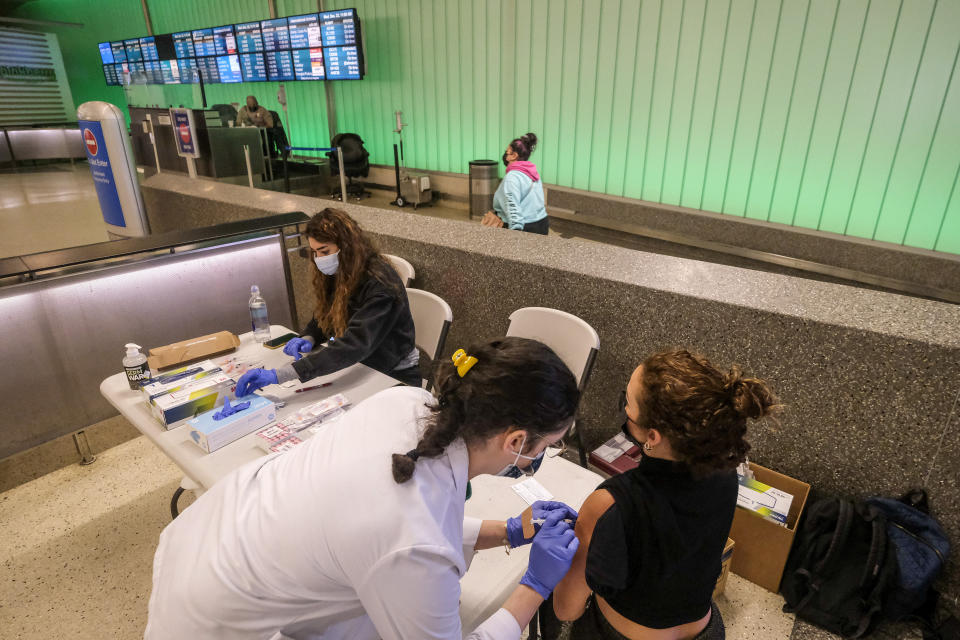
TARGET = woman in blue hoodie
(518,202)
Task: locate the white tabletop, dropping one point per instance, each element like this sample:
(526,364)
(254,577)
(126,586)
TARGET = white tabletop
(356,383)
(493,574)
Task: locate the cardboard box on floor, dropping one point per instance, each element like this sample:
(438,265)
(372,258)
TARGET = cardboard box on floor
(193,350)
(763,545)
(725,561)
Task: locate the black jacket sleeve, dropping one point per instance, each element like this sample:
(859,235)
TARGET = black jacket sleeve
(366,330)
(313,330)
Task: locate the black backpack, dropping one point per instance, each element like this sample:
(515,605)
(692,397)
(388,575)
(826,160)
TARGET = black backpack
(854,563)
(841,569)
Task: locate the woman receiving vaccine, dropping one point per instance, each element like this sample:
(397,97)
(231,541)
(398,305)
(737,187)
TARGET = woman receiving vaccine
(361,311)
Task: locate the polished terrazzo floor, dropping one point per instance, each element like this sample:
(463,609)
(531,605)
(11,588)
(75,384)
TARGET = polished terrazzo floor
(48,207)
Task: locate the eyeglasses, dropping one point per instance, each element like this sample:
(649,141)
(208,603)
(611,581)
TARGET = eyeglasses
(557,448)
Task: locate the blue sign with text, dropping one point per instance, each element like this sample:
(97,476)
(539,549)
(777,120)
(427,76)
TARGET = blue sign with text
(183,132)
(99,161)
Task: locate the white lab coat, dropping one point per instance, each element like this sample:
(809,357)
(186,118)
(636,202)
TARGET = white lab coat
(320,542)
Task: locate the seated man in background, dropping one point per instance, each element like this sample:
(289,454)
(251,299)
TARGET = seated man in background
(254,115)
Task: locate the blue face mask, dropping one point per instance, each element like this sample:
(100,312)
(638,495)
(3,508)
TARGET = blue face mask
(328,265)
(513,471)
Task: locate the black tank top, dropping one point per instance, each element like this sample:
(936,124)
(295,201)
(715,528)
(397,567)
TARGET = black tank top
(655,553)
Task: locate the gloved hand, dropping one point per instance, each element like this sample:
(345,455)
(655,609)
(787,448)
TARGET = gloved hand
(255,379)
(541,510)
(228,410)
(297,347)
(550,555)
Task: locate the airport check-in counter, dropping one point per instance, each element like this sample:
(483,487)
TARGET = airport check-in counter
(221,147)
(41,142)
(68,313)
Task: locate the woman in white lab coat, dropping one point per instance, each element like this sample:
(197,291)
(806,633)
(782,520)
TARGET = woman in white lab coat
(360,532)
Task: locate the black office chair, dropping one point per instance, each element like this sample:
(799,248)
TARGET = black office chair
(356,163)
(228,113)
(277,137)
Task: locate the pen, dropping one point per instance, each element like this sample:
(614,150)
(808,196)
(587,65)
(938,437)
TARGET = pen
(316,386)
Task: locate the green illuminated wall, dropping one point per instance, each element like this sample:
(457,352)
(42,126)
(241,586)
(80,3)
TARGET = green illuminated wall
(840,115)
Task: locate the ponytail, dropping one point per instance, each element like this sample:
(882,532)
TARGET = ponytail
(489,388)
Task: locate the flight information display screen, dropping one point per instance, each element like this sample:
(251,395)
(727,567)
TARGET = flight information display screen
(249,38)
(279,65)
(224,41)
(208,67)
(119,53)
(342,63)
(308,64)
(133,50)
(276,35)
(203,42)
(110,74)
(313,46)
(183,44)
(253,66)
(153,71)
(148,47)
(228,67)
(106,53)
(304,31)
(338,28)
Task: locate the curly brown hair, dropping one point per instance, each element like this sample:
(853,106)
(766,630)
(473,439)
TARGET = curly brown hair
(359,260)
(701,410)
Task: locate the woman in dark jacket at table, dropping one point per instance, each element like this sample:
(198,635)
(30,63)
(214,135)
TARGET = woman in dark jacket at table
(361,314)
(651,538)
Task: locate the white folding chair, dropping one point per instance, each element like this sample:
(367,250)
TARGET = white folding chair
(575,341)
(402,267)
(431,320)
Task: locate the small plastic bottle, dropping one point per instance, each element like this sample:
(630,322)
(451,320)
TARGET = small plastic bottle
(258,315)
(135,366)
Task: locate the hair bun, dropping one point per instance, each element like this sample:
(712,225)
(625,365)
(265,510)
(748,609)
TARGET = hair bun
(530,139)
(749,397)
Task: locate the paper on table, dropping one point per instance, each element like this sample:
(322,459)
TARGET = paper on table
(531,491)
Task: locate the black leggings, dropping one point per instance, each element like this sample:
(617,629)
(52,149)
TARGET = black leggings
(592,625)
(541,226)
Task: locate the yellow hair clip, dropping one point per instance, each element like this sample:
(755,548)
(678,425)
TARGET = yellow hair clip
(463,362)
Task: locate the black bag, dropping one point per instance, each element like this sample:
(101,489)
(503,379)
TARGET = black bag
(842,568)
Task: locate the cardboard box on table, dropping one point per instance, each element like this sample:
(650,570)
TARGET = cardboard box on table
(193,350)
(763,545)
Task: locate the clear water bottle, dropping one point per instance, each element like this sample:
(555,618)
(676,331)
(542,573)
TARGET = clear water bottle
(258,315)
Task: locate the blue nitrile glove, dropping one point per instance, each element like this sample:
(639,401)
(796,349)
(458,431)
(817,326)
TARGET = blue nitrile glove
(297,347)
(551,553)
(228,410)
(541,510)
(255,379)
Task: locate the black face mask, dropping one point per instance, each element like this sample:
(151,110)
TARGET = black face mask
(625,427)
(506,162)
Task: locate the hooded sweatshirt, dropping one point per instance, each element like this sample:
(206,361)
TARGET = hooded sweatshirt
(519,198)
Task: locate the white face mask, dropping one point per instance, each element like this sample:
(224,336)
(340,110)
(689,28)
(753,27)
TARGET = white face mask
(328,265)
(513,471)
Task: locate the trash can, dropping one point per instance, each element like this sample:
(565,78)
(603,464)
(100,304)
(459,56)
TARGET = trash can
(483,184)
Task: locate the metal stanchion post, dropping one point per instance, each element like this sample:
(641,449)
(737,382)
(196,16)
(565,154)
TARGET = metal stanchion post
(246,156)
(343,177)
(286,173)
